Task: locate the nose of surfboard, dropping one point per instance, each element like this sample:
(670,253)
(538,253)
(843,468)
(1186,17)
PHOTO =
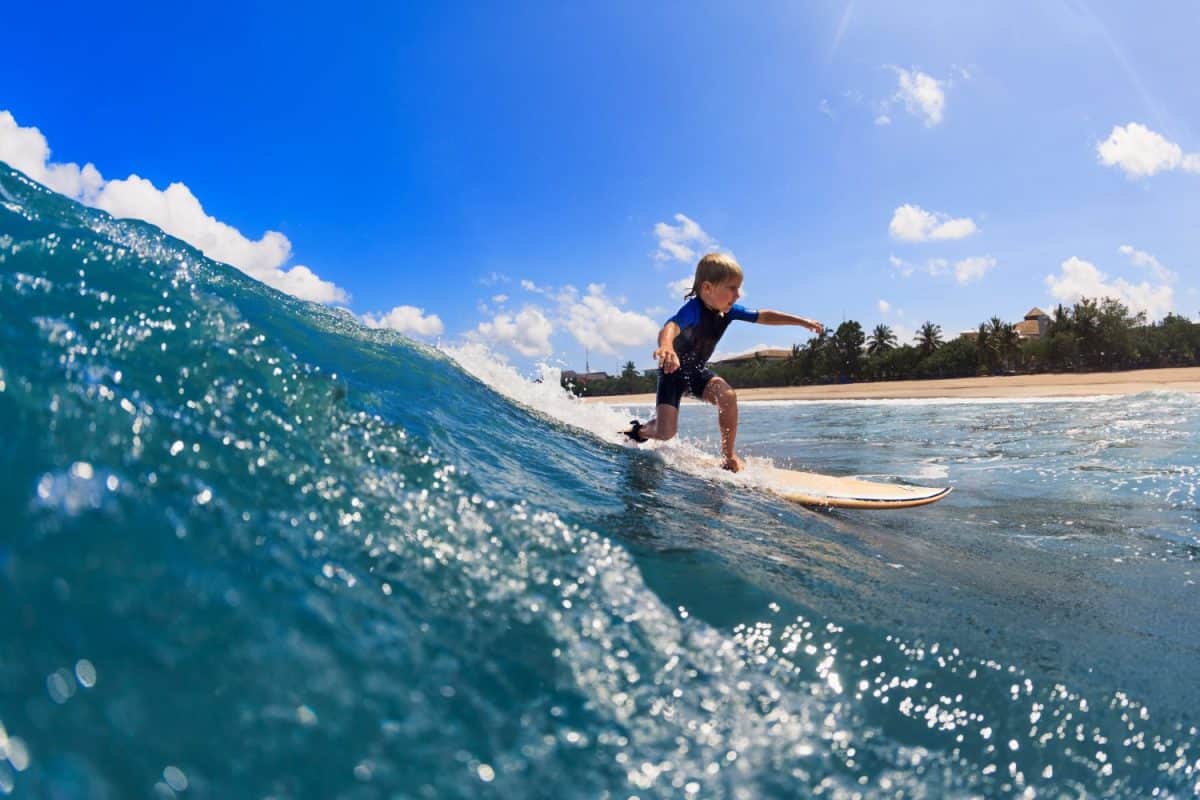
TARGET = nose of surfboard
(813,489)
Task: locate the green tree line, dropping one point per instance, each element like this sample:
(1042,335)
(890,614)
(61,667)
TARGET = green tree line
(1092,335)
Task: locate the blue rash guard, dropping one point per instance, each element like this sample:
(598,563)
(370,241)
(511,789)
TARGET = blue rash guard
(700,328)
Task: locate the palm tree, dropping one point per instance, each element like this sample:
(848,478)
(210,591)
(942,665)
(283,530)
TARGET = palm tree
(928,338)
(881,340)
(983,346)
(1061,322)
(1085,324)
(1002,341)
(1009,344)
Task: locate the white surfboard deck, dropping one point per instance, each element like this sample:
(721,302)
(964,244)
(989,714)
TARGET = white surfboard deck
(830,491)
(813,489)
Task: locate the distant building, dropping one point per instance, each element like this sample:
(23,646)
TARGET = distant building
(581,378)
(767,354)
(1035,324)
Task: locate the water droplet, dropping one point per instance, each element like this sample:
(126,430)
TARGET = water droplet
(175,778)
(85,673)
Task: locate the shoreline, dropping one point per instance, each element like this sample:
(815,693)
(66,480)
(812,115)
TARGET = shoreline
(1059,384)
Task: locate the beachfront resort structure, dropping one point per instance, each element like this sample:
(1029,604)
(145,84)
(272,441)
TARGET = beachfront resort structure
(1034,326)
(765,354)
(583,377)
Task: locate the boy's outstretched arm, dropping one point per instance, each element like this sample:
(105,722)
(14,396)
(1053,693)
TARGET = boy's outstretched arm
(668,360)
(766,317)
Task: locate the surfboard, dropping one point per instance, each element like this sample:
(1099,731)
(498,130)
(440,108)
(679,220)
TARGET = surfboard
(830,491)
(813,489)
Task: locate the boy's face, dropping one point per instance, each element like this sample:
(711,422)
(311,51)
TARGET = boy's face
(721,296)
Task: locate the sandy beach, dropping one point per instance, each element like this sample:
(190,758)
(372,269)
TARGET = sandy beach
(1068,384)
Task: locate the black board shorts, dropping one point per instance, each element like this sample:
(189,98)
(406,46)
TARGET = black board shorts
(685,379)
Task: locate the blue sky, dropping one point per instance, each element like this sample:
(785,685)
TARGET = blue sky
(537,176)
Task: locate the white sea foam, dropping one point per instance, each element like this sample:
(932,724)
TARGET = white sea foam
(925,471)
(545,395)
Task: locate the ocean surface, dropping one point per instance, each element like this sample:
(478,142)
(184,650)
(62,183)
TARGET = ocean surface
(250,548)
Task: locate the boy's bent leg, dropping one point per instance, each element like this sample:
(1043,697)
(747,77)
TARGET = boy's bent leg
(721,394)
(666,413)
(664,424)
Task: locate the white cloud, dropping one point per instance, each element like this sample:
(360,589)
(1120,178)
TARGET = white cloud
(174,209)
(1078,278)
(599,324)
(911,223)
(937,267)
(562,296)
(1142,259)
(894,316)
(964,271)
(902,267)
(302,282)
(26,149)
(595,320)
(684,242)
(500,299)
(825,108)
(177,211)
(565,294)
(682,286)
(882,120)
(972,269)
(1140,152)
(923,95)
(406,319)
(527,332)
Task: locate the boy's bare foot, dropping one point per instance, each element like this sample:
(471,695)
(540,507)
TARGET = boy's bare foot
(733,464)
(635,432)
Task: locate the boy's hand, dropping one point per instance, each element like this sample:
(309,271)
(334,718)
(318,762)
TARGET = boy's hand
(814,326)
(668,361)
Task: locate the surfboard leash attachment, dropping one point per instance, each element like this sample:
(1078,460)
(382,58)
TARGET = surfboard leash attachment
(635,432)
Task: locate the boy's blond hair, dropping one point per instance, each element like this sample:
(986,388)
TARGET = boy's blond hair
(716,268)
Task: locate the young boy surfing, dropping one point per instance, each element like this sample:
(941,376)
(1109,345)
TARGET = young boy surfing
(686,343)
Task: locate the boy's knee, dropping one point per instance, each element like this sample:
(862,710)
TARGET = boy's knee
(725,394)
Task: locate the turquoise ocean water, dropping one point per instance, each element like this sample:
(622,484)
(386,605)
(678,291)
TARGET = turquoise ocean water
(252,549)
